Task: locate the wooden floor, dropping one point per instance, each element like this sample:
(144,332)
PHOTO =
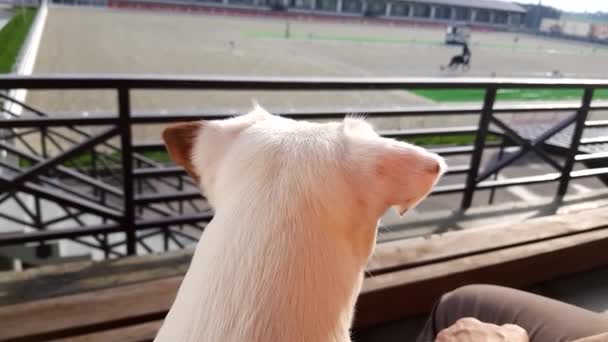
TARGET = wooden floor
(126,299)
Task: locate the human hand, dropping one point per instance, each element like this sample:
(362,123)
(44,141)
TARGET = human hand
(472,330)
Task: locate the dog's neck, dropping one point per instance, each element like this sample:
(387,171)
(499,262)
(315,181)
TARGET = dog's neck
(267,269)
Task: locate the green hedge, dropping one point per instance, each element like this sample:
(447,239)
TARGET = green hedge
(12,37)
(85,160)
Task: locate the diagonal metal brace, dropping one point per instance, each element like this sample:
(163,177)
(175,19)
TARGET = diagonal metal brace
(64,170)
(23,104)
(543,137)
(70,201)
(33,172)
(527,144)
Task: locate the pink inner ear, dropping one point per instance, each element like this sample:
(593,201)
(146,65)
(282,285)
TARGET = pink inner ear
(390,171)
(408,173)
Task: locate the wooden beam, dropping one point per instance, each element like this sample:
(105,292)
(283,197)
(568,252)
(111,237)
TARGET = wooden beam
(136,333)
(401,294)
(384,298)
(73,278)
(88,312)
(544,248)
(425,250)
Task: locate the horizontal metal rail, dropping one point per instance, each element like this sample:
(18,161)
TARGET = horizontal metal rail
(232,83)
(159,172)
(592,141)
(439,110)
(125,186)
(20,238)
(592,156)
(596,123)
(589,173)
(168,197)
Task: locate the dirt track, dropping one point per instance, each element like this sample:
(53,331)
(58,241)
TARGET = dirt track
(86,40)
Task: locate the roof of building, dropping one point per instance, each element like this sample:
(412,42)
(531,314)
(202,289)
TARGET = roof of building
(485,4)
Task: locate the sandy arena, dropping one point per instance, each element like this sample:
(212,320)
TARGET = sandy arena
(88,40)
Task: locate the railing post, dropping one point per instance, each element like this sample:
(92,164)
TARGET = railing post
(480,142)
(501,152)
(577,134)
(43,147)
(128,220)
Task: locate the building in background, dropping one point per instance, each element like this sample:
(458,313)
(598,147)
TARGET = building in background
(479,12)
(575,29)
(599,31)
(536,13)
(570,28)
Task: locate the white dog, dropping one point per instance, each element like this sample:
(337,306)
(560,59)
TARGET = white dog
(296,210)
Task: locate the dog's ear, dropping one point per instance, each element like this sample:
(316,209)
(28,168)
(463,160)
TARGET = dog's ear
(403,174)
(180,139)
(407,174)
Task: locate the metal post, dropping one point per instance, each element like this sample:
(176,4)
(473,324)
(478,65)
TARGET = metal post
(579,127)
(166,239)
(180,187)
(128,221)
(94,172)
(45,154)
(139,187)
(43,147)
(501,152)
(480,141)
(105,246)
(38,211)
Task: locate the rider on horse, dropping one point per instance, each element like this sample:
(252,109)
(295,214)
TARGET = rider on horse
(463,59)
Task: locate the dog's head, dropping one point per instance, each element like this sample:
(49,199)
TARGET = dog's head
(345,167)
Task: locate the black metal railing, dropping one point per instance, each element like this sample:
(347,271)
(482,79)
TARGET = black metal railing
(131,197)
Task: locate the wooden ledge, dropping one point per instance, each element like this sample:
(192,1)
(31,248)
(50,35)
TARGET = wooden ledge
(131,296)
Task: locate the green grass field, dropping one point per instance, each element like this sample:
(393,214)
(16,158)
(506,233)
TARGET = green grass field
(476,95)
(12,37)
(85,160)
(448,140)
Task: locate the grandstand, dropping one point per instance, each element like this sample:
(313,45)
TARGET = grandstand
(489,13)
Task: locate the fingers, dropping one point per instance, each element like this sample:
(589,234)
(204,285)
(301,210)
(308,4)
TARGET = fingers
(519,333)
(472,330)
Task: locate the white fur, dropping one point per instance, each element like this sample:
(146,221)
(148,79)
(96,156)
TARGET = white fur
(297,206)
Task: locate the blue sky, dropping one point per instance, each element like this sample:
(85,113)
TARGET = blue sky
(574,5)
